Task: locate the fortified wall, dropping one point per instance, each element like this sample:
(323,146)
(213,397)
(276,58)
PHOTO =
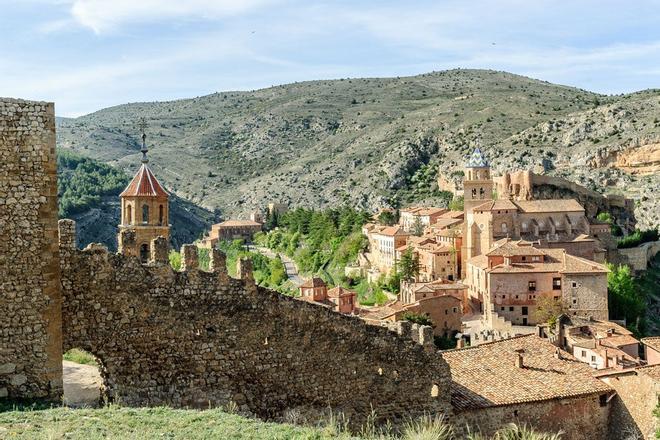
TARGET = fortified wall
(199,339)
(30,298)
(526,185)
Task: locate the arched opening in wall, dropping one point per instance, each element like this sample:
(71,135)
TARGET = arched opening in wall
(144,252)
(129,214)
(83,384)
(160,215)
(145,213)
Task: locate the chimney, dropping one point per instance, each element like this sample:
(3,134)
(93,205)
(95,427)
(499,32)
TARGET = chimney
(557,353)
(460,343)
(519,358)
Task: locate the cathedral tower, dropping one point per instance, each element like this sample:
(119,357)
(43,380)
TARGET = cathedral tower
(477,190)
(477,183)
(144,211)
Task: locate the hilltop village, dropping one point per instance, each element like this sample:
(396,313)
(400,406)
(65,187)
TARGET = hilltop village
(519,284)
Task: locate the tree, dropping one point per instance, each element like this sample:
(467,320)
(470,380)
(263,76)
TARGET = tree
(387,218)
(409,265)
(418,227)
(457,204)
(626,300)
(548,309)
(417,318)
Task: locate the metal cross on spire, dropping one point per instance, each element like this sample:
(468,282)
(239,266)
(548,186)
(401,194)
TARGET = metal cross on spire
(142,123)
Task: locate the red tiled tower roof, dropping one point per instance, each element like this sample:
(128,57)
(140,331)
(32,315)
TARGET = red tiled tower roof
(144,184)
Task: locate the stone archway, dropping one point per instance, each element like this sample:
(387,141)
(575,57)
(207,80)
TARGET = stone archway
(83,384)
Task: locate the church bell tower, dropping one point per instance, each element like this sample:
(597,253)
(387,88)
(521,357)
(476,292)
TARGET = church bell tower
(144,210)
(477,183)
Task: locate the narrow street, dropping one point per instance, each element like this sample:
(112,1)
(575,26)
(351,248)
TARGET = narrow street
(289,264)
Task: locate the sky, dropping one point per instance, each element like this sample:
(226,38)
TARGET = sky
(86,55)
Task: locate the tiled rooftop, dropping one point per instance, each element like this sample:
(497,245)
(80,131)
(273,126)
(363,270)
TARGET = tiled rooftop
(314,282)
(653,342)
(230,223)
(144,183)
(487,375)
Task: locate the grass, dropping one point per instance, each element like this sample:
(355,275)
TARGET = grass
(35,422)
(115,422)
(79,357)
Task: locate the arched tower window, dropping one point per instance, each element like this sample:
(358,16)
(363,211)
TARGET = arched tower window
(129,214)
(504,228)
(160,215)
(145,213)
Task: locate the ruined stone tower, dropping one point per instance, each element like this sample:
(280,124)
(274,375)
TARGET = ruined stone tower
(144,211)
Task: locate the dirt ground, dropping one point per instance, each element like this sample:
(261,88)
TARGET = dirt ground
(82,385)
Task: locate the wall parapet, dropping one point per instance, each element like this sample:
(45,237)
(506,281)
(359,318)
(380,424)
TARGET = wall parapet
(196,338)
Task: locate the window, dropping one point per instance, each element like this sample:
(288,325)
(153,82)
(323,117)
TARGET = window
(556,284)
(584,353)
(575,301)
(593,358)
(531,285)
(501,309)
(129,214)
(536,258)
(524,258)
(524,310)
(504,228)
(160,214)
(455,310)
(524,226)
(144,253)
(145,213)
(510,309)
(446,311)
(574,284)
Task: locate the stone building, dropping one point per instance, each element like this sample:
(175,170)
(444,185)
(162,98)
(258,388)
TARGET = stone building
(144,211)
(443,311)
(437,261)
(510,278)
(338,299)
(231,230)
(422,217)
(555,223)
(411,292)
(527,380)
(601,344)
(383,243)
(651,349)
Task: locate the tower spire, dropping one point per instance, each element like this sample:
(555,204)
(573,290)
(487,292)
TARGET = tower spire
(144,150)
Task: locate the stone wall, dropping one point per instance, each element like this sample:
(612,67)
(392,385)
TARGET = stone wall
(200,339)
(632,408)
(579,418)
(638,257)
(30,299)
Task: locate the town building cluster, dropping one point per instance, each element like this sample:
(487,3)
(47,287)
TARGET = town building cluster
(508,261)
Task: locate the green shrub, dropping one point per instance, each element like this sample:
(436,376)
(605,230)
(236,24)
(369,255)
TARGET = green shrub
(79,357)
(638,237)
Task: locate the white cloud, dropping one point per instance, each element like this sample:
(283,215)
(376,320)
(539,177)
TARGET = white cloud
(104,15)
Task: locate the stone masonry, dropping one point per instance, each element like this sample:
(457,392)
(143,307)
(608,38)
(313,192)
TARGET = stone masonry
(30,298)
(198,339)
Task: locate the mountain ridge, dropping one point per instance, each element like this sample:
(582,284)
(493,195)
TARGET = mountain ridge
(361,141)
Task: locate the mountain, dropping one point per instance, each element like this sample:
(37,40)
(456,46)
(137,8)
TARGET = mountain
(375,142)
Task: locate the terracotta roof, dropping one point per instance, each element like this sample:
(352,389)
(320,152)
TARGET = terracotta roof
(339,291)
(550,205)
(453,214)
(496,205)
(144,184)
(618,341)
(653,371)
(653,342)
(314,282)
(555,260)
(228,223)
(514,248)
(391,231)
(446,222)
(486,375)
